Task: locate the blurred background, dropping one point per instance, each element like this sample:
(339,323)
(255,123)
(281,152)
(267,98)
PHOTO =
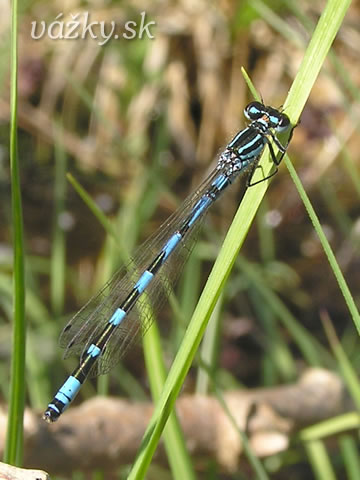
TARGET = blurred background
(139,122)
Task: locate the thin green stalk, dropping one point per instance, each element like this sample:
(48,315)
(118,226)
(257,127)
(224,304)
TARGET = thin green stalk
(320,460)
(248,450)
(330,427)
(318,48)
(108,226)
(349,450)
(57,286)
(174,441)
(326,246)
(348,371)
(209,350)
(313,352)
(14,439)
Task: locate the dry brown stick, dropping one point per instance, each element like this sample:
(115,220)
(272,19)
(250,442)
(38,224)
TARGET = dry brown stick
(9,472)
(105,433)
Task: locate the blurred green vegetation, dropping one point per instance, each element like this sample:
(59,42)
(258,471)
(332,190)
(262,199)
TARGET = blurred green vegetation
(138,123)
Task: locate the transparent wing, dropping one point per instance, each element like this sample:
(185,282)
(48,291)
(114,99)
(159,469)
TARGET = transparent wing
(83,329)
(140,318)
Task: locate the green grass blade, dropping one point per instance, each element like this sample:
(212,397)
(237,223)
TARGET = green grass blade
(348,371)
(209,350)
(349,450)
(324,34)
(107,225)
(319,46)
(326,30)
(326,246)
(248,451)
(58,252)
(311,349)
(14,438)
(174,442)
(320,460)
(333,426)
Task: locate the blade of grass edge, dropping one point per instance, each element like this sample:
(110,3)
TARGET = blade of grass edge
(326,246)
(13,453)
(325,32)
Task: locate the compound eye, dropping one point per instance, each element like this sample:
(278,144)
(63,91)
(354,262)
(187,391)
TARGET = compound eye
(283,123)
(254,110)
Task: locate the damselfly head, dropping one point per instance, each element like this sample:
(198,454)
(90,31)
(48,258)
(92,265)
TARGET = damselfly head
(256,111)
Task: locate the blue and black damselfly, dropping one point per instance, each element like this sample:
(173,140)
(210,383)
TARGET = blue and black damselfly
(108,324)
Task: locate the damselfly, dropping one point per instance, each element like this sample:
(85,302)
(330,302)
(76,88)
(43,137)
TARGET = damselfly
(108,324)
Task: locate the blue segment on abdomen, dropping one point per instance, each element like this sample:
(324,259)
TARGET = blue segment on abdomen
(144,281)
(220,182)
(68,391)
(117,317)
(171,244)
(201,205)
(93,350)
